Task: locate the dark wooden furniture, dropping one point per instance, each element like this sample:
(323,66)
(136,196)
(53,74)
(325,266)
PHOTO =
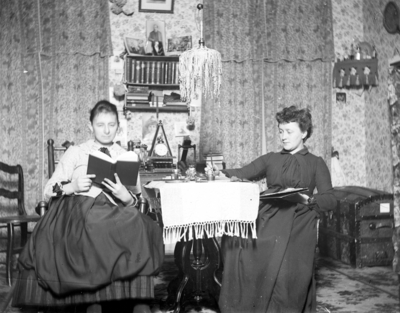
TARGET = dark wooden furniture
(12,200)
(158,73)
(359,231)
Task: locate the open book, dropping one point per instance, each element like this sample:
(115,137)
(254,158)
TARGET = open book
(270,194)
(126,166)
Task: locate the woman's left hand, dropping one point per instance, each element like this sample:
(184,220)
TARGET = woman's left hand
(297,197)
(118,190)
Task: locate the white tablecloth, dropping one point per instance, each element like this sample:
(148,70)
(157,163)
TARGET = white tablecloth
(195,210)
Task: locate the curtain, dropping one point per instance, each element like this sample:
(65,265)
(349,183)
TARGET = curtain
(275,53)
(54,67)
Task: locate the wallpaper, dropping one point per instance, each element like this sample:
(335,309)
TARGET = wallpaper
(348,119)
(378,156)
(183,22)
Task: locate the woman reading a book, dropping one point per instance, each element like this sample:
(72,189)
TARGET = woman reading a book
(274,273)
(92,245)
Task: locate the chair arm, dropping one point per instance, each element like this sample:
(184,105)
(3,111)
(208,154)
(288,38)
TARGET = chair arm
(41,208)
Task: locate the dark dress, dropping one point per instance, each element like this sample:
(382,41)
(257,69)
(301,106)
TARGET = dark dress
(274,273)
(87,250)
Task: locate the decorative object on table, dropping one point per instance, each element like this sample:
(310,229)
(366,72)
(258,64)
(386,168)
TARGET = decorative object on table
(134,46)
(151,6)
(191,172)
(177,45)
(200,70)
(160,151)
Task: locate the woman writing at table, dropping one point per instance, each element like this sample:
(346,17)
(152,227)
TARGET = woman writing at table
(274,273)
(92,245)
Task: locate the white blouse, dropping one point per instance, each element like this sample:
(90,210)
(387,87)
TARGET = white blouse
(73,164)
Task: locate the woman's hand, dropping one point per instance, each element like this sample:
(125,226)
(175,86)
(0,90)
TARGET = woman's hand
(118,190)
(82,183)
(297,197)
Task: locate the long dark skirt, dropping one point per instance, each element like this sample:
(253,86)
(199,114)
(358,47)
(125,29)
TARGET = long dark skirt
(84,248)
(273,273)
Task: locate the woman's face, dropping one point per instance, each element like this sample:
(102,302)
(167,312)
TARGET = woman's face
(104,128)
(291,136)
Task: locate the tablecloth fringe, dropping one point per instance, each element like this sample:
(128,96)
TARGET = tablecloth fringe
(176,233)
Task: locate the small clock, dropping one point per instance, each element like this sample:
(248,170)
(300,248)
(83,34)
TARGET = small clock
(161,149)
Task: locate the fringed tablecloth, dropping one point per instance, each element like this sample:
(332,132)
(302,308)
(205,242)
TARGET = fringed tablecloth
(196,210)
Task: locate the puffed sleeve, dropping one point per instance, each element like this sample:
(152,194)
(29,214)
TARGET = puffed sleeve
(63,171)
(324,199)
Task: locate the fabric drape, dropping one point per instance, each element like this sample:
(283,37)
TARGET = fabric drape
(274,54)
(54,66)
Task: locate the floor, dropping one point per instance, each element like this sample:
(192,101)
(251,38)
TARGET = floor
(340,288)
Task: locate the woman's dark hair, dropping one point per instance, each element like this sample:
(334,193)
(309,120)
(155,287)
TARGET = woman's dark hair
(301,116)
(103,106)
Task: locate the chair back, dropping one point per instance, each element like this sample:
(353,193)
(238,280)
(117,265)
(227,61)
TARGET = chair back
(54,154)
(12,188)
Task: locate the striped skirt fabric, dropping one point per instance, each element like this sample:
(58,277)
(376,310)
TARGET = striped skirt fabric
(28,292)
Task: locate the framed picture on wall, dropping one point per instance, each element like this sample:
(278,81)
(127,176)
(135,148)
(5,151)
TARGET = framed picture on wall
(156,6)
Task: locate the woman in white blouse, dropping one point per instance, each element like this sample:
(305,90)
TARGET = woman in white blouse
(93,245)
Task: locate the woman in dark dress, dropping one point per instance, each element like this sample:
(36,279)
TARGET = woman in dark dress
(93,245)
(274,273)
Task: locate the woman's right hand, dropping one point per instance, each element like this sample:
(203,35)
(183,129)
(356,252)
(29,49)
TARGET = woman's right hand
(82,183)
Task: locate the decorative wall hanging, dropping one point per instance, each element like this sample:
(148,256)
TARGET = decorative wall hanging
(355,73)
(391,16)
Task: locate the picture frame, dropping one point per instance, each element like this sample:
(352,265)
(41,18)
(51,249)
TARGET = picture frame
(156,6)
(177,45)
(155,35)
(340,98)
(135,46)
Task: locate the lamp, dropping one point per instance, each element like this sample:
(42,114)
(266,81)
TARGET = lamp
(200,70)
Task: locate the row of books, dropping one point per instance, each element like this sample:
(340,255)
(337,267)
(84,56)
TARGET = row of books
(151,72)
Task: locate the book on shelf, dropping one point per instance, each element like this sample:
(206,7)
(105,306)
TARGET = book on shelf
(271,194)
(137,71)
(138,89)
(137,96)
(137,103)
(126,166)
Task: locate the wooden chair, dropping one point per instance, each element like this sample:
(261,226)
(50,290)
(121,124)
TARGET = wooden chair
(12,202)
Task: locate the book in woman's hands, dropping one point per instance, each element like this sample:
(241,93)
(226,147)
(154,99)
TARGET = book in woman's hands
(270,194)
(126,166)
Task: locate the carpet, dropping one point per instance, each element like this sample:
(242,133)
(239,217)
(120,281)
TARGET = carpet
(340,288)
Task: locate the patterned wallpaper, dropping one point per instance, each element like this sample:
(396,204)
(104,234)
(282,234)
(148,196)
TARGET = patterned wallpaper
(181,23)
(378,156)
(348,119)
(360,131)
(360,127)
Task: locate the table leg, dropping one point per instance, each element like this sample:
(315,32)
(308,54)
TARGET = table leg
(199,275)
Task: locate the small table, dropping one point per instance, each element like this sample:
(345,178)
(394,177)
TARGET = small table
(194,215)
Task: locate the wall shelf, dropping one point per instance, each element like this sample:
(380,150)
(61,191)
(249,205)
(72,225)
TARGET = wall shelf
(355,73)
(171,109)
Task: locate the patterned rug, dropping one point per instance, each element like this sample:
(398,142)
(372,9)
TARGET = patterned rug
(340,288)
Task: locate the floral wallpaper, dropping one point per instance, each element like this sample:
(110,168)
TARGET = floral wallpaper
(183,22)
(378,145)
(348,119)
